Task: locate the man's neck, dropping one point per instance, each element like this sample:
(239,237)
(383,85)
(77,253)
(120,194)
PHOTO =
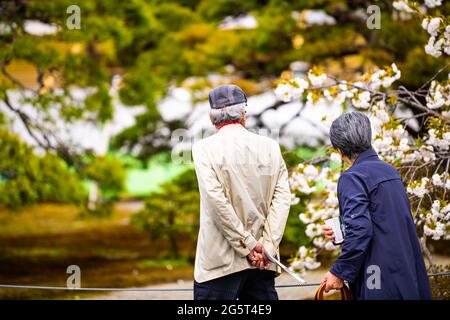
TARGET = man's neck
(227,123)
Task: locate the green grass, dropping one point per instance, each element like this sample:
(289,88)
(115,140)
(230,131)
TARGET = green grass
(142,180)
(309,153)
(163,263)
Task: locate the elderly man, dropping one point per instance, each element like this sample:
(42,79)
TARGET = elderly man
(244,204)
(381,256)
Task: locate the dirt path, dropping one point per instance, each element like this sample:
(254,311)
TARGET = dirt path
(284,293)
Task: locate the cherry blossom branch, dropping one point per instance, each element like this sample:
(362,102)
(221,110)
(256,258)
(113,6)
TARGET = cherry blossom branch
(432,78)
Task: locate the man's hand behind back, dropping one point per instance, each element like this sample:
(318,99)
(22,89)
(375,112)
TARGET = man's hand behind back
(257,257)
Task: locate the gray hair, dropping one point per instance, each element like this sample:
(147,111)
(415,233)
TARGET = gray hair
(227,114)
(351,134)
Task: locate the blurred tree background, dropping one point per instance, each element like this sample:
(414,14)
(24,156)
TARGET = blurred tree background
(172,213)
(154,45)
(28,178)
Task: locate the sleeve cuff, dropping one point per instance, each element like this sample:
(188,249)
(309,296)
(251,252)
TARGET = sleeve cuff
(336,272)
(245,246)
(250,242)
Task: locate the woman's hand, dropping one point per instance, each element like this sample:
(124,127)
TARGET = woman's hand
(328,232)
(332,282)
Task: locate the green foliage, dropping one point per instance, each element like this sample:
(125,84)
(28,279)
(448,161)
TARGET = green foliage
(173,211)
(291,158)
(107,172)
(100,102)
(27,178)
(163,263)
(295,228)
(175,17)
(219,9)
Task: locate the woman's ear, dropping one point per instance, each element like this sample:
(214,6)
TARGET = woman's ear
(345,158)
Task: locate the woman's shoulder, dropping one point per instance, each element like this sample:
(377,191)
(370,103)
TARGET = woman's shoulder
(369,174)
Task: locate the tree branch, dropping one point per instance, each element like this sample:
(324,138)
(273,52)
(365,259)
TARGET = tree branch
(27,122)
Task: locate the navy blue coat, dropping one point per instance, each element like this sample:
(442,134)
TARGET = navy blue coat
(380,234)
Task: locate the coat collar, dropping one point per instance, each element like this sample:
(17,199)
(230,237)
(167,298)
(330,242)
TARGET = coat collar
(363,156)
(227,124)
(229,127)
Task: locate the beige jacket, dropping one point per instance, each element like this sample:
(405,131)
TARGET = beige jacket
(245,198)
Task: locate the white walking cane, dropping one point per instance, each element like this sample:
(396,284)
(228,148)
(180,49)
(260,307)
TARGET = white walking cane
(285,269)
(278,263)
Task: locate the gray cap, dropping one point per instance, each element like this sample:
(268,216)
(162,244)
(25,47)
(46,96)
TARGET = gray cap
(226,95)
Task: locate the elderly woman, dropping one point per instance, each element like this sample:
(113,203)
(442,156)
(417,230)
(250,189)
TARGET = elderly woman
(381,256)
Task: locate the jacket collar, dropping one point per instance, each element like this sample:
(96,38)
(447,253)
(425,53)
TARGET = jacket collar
(363,156)
(229,127)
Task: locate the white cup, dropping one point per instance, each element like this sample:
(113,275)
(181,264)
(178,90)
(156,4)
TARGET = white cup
(335,224)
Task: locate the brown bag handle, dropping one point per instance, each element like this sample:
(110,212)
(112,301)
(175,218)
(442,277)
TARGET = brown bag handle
(345,293)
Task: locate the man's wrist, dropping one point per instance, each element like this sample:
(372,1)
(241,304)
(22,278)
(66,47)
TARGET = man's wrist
(250,242)
(246,245)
